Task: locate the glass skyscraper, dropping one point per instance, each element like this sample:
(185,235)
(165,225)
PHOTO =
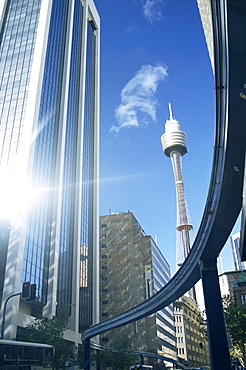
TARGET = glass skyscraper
(49,143)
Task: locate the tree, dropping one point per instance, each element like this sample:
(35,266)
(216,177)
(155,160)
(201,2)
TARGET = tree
(235,317)
(51,331)
(118,356)
(202,322)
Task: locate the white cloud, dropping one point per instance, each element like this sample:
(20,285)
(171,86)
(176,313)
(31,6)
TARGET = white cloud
(137,97)
(152,10)
(131,29)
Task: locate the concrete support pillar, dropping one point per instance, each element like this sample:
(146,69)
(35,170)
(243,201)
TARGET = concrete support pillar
(87,355)
(217,335)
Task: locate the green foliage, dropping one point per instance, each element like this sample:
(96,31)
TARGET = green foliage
(118,356)
(202,326)
(51,331)
(242,94)
(235,317)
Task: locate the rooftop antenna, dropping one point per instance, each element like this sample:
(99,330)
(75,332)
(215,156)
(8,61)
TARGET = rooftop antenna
(170,111)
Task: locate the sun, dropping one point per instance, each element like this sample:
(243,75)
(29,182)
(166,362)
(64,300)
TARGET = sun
(15,194)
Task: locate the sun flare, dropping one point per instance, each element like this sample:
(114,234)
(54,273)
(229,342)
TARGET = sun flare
(16,195)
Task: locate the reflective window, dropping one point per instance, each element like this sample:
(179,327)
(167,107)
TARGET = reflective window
(39,221)
(88,174)
(14,79)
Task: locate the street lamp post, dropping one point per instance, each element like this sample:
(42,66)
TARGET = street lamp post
(4,312)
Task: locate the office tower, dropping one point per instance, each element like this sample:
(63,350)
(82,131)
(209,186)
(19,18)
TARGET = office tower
(132,268)
(235,245)
(205,11)
(233,283)
(174,146)
(192,345)
(49,104)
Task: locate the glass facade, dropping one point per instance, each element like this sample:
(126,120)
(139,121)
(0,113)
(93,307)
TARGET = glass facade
(17,38)
(4,240)
(62,161)
(39,220)
(68,199)
(88,183)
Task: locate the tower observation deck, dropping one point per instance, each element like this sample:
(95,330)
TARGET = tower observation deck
(174,146)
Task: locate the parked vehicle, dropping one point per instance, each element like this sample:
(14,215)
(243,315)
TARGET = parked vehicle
(23,355)
(147,367)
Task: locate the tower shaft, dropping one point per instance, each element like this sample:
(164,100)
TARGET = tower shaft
(183,220)
(184,226)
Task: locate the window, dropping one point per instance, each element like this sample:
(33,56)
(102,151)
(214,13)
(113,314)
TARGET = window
(104,314)
(104,235)
(104,290)
(104,302)
(105,340)
(243,298)
(104,225)
(104,256)
(104,245)
(179,329)
(104,278)
(104,267)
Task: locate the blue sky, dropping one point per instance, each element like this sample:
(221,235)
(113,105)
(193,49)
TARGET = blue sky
(153,52)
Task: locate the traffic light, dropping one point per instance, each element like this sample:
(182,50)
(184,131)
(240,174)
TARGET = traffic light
(26,290)
(32,293)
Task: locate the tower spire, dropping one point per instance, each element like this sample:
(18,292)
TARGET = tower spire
(170,111)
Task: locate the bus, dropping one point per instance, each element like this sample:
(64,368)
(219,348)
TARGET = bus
(15,355)
(144,367)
